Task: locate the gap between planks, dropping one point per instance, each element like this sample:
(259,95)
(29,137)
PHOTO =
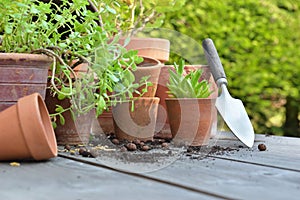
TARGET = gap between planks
(145,177)
(254,163)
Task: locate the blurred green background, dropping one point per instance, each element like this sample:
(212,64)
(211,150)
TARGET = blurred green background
(258,42)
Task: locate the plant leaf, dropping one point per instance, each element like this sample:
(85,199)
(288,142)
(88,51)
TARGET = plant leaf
(61,119)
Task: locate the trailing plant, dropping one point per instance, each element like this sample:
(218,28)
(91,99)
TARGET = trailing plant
(71,34)
(187,86)
(114,82)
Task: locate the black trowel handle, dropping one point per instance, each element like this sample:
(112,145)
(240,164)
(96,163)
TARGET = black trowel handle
(214,62)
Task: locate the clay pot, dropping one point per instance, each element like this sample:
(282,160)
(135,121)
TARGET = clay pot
(156,48)
(72,132)
(191,120)
(148,67)
(105,121)
(26,131)
(155,51)
(162,126)
(21,75)
(138,124)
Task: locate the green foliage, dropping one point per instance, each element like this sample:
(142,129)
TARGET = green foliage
(114,82)
(258,42)
(70,32)
(30,25)
(188,86)
(132,16)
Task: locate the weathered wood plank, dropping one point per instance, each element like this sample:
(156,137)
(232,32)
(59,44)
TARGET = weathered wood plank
(230,179)
(282,152)
(234,179)
(66,179)
(243,174)
(248,178)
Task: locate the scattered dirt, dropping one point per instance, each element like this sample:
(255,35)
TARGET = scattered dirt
(204,151)
(158,150)
(109,147)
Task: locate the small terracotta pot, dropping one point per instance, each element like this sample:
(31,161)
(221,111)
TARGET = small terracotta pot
(191,120)
(21,75)
(105,121)
(72,132)
(138,124)
(150,67)
(26,131)
(162,125)
(156,48)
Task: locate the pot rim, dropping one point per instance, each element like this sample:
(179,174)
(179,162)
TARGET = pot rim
(41,143)
(166,41)
(140,98)
(196,65)
(189,100)
(145,98)
(158,64)
(19,56)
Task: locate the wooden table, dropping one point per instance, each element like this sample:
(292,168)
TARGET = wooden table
(242,173)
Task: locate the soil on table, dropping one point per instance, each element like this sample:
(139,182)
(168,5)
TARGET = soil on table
(110,151)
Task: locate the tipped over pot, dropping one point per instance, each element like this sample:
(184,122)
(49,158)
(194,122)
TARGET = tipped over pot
(26,131)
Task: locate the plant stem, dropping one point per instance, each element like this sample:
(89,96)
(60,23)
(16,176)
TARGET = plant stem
(54,57)
(100,22)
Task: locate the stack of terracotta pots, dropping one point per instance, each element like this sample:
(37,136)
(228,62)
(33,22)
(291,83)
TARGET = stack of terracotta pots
(151,118)
(139,123)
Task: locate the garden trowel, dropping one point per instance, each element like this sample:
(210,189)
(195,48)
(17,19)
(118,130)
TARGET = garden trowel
(232,110)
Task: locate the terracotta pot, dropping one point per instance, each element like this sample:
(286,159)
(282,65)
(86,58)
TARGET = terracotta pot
(105,122)
(162,125)
(72,132)
(155,52)
(138,124)
(26,131)
(156,48)
(21,75)
(150,67)
(191,120)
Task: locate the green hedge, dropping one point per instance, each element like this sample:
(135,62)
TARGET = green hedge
(259,43)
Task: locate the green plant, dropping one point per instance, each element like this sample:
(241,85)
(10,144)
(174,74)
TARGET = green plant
(69,32)
(188,86)
(132,16)
(114,82)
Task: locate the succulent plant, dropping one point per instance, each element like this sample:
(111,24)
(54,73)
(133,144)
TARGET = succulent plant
(187,86)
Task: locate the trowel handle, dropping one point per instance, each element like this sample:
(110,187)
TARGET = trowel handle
(214,62)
